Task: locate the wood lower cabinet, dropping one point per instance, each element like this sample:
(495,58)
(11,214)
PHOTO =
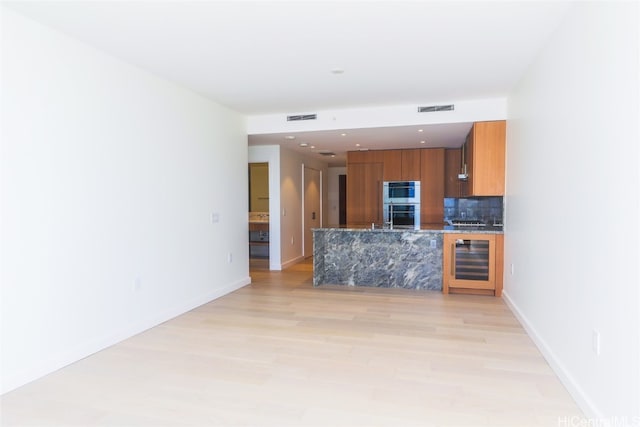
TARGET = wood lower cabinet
(364,193)
(473,263)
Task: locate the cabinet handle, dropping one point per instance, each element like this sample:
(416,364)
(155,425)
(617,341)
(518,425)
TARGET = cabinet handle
(453,260)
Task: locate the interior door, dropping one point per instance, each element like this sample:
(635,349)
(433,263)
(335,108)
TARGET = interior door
(312,208)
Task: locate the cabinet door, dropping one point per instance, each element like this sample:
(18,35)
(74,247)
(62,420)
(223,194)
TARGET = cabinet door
(411,162)
(357,157)
(432,186)
(487,158)
(452,163)
(469,262)
(364,193)
(392,160)
(367,156)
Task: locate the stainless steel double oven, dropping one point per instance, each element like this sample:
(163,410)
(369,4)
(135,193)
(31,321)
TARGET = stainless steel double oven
(401,204)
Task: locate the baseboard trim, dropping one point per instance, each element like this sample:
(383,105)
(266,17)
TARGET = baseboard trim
(80,351)
(579,395)
(292,262)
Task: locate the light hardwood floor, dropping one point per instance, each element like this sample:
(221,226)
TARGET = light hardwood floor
(282,353)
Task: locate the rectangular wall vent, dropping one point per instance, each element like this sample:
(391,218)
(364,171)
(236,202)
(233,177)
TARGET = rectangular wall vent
(299,117)
(326,153)
(433,108)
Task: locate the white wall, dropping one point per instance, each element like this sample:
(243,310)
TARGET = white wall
(572,206)
(333,195)
(291,191)
(110,177)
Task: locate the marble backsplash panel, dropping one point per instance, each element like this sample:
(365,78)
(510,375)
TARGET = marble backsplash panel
(487,209)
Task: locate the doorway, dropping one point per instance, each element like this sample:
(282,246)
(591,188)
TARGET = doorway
(342,200)
(259,212)
(312,215)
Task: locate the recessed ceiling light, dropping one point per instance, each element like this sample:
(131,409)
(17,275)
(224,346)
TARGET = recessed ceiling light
(343,134)
(337,71)
(420,130)
(313,146)
(290,137)
(304,144)
(422,142)
(357,145)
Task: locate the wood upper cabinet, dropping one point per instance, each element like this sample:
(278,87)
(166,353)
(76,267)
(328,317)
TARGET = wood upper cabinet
(373,156)
(411,165)
(431,185)
(484,153)
(392,165)
(401,165)
(364,193)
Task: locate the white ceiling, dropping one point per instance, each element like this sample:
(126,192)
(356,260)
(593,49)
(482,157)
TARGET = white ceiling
(277,57)
(449,135)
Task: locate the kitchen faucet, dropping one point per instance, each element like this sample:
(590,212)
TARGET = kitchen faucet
(390,222)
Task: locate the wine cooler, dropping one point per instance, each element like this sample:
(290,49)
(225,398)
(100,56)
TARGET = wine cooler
(470,263)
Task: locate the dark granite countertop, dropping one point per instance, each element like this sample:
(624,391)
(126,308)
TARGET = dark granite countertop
(442,228)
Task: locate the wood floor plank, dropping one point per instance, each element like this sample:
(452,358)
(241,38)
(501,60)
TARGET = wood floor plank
(280,352)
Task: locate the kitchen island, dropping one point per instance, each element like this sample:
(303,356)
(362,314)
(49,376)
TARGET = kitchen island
(398,258)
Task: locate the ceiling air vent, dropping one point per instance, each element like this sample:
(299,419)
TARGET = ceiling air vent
(326,153)
(434,108)
(299,117)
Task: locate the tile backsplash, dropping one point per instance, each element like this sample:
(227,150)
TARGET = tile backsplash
(488,209)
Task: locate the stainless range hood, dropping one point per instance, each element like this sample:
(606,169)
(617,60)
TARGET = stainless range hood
(463,175)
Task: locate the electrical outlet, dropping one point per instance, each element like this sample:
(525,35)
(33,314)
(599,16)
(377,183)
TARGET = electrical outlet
(137,284)
(215,217)
(595,342)
(229,257)
(513,269)
(292,240)
(433,244)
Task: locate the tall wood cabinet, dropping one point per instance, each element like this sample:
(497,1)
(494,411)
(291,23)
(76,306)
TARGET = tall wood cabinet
(431,185)
(364,187)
